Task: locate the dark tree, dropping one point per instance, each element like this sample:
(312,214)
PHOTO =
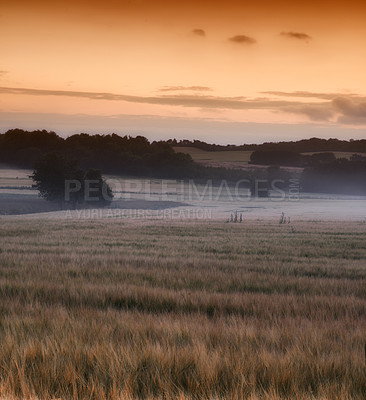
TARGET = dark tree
(61,180)
(339,176)
(96,189)
(51,175)
(270,157)
(322,158)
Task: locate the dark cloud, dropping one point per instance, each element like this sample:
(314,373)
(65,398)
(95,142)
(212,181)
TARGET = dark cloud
(296,35)
(190,88)
(199,32)
(350,109)
(315,112)
(351,112)
(242,39)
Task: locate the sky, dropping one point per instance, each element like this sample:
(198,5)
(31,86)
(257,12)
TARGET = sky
(220,71)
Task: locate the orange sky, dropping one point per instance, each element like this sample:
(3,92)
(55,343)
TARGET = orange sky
(230,71)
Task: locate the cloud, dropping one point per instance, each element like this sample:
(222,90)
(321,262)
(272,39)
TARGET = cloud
(2,72)
(242,39)
(351,112)
(323,96)
(200,101)
(350,109)
(190,88)
(315,112)
(296,35)
(199,32)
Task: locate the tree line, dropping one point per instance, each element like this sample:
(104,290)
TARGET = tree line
(112,154)
(136,156)
(300,146)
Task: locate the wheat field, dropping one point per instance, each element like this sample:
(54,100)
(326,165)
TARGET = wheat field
(119,309)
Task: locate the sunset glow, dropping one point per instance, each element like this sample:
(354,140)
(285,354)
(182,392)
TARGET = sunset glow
(222,72)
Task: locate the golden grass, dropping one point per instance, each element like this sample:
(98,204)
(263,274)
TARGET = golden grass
(182,310)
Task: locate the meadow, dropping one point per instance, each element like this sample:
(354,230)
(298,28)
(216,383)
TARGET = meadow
(161,309)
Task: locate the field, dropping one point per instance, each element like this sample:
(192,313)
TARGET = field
(181,199)
(229,159)
(164,309)
(235,159)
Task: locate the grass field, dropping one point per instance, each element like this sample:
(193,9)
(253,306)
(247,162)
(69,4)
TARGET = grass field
(202,155)
(227,159)
(234,159)
(112,309)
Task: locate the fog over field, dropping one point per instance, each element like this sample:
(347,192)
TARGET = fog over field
(156,198)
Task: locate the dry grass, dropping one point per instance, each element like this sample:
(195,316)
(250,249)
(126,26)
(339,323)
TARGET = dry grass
(182,310)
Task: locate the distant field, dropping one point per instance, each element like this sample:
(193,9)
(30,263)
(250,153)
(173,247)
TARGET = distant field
(229,156)
(13,177)
(111,309)
(184,200)
(232,158)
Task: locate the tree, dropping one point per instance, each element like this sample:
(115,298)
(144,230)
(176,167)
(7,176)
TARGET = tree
(96,189)
(339,176)
(270,157)
(61,180)
(51,172)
